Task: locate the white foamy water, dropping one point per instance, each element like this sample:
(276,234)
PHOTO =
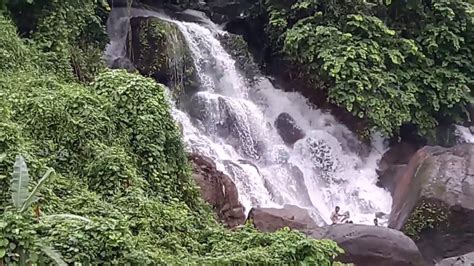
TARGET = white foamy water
(233,123)
(464,134)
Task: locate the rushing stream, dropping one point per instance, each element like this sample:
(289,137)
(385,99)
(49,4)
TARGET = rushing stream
(232,122)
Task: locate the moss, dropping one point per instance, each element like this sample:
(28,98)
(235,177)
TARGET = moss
(427,214)
(159,50)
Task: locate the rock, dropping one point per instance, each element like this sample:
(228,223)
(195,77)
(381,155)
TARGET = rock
(398,154)
(392,164)
(464,260)
(218,190)
(470,110)
(389,177)
(371,245)
(164,57)
(433,201)
(123,63)
(287,128)
(236,46)
(272,219)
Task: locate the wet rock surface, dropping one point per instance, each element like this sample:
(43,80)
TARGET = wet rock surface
(287,128)
(433,201)
(218,190)
(164,57)
(393,163)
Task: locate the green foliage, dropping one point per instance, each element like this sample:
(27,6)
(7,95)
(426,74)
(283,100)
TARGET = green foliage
(426,215)
(415,74)
(122,192)
(14,250)
(21,197)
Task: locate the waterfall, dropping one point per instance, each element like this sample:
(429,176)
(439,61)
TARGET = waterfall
(233,123)
(463,135)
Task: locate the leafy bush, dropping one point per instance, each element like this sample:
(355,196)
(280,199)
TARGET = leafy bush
(419,74)
(122,191)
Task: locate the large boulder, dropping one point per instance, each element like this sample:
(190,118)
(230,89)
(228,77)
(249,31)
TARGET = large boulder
(272,219)
(371,245)
(218,190)
(159,50)
(363,244)
(287,128)
(433,201)
(393,163)
(464,260)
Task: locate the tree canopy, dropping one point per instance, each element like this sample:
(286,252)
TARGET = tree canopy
(391,63)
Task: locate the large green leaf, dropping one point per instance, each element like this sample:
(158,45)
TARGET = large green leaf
(32,196)
(67,216)
(54,255)
(19,183)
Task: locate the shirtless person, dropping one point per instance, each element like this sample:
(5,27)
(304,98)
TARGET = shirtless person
(335,215)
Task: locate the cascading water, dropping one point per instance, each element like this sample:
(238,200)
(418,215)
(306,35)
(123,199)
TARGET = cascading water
(232,122)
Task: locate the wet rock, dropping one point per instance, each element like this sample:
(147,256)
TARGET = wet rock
(287,128)
(218,190)
(236,46)
(295,185)
(464,260)
(470,109)
(198,107)
(389,177)
(272,219)
(371,245)
(398,154)
(392,164)
(299,184)
(164,57)
(235,123)
(123,63)
(433,201)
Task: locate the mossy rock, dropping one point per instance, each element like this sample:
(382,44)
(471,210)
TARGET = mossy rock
(433,201)
(237,47)
(159,50)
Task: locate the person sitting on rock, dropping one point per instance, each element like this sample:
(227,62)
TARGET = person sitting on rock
(376,222)
(335,216)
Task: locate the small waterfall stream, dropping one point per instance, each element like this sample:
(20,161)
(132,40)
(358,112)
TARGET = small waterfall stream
(232,122)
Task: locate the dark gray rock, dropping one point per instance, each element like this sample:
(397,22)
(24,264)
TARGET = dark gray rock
(371,245)
(287,128)
(433,201)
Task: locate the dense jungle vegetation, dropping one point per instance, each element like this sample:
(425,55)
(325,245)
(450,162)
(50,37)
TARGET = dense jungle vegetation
(389,62)
(92,166)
